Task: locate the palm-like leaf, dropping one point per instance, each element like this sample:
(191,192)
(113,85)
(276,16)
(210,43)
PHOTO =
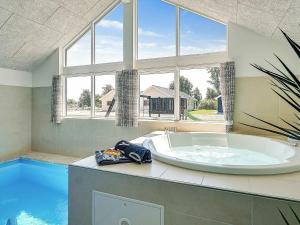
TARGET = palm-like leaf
(287,86)
(285,218)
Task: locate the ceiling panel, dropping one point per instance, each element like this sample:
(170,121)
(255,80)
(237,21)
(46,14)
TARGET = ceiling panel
(274,7)
(250,18)
(4,15)
(290,24)
(79,7)
(36,10)
(32,29)
(218,9)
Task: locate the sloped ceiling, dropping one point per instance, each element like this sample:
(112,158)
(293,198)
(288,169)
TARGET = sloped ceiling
(263,16)
(31,29)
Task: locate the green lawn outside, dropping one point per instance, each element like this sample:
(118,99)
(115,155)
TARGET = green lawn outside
(203,112)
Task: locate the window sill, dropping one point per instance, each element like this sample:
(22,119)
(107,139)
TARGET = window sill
(88,118)
(142,120)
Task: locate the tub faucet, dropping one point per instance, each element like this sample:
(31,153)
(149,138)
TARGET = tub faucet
(170,129)
(293,142)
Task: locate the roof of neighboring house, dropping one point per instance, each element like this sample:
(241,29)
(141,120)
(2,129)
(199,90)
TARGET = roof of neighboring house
(156,91)
(108,96)
(153,91)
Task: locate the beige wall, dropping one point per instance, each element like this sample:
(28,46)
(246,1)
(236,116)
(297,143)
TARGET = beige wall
(253,90)
(15,120)
(254,96)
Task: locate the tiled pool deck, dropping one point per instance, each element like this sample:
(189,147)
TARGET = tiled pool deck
(285,186)
(52,158)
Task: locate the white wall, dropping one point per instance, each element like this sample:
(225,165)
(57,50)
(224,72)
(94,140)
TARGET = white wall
(246,46)
(43,73)
(15,113)
(11,77)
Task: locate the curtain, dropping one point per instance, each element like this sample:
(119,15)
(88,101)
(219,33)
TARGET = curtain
(56,99)
(127,98)
(227,86)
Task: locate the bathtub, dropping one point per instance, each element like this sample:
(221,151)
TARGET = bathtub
(225,153)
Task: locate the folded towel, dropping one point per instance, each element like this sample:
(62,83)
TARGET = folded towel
(110,156)
(135,152)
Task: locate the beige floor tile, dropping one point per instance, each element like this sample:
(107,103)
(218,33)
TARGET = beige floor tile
(154,170)
(275,188)
(54,158)
(88,162)
(183,175)
(228,182)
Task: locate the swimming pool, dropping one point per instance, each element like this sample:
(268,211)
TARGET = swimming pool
(33,193)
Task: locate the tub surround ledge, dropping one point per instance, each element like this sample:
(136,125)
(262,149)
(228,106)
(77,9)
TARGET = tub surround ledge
(282,186)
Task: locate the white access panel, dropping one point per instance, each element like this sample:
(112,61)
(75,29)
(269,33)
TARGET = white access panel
(115,210)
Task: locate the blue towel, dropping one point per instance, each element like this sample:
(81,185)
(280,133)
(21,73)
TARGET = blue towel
(103,159)
(135,152)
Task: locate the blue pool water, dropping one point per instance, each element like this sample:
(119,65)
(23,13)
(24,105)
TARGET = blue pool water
(33,193)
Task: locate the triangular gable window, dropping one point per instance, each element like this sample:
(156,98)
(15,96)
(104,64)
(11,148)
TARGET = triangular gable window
(156,29)
(109,37)
(200,35)
(79,53)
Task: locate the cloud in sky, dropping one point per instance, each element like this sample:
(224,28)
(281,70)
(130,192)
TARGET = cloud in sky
(117,25)
(148,33)
(113,24)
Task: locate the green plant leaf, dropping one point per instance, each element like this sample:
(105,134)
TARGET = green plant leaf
(283,217)
(293,44)
(295,214)
(272,131)
(273,125)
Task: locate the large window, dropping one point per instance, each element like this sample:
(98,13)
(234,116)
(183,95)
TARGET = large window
(166,35)
(80,53)
(200,35)
(109,37)
(200,96)
(157,35)
(157,96)
(156,29)
(90,96)
(78,96)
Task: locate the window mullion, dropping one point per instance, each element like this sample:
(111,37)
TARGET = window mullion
(177,94)
(93,43)
(177,31)
(93,96)
(65,113)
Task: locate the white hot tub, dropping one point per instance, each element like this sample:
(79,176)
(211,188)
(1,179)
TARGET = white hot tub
(225,153)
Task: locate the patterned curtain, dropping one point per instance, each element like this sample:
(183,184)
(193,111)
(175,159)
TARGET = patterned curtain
(56,99)
(127,98)
(227,79)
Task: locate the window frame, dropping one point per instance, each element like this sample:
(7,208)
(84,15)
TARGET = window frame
(91,26)
(65,96)
(176,90)
(171,64)
(93,94)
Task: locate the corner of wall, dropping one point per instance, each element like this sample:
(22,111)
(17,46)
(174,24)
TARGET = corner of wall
(42,74)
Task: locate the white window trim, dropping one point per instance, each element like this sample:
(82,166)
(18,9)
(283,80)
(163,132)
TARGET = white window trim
(93,94)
